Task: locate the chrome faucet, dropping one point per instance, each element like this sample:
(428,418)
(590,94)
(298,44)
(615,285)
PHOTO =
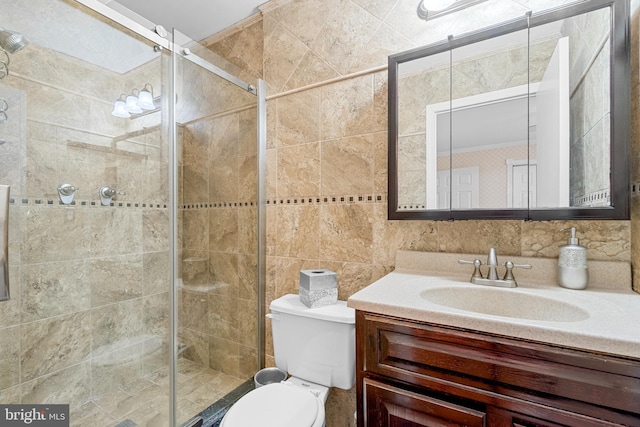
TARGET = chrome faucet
(492,278)
(492,263)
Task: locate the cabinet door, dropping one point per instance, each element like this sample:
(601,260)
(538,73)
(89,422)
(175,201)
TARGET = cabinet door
(509,419)
(389,406)
(543,418)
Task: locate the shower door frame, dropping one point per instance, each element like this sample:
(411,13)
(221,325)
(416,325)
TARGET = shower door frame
(259,90)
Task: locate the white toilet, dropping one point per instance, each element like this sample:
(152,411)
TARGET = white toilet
(314,345)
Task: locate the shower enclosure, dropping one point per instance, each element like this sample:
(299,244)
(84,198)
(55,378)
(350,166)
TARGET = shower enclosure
(135,232)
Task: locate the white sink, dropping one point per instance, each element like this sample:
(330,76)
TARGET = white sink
(505,303)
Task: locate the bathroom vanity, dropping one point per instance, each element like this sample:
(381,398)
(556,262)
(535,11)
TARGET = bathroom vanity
(422,374)
(536,355)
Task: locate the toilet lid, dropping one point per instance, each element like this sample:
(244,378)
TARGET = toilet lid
(274,405)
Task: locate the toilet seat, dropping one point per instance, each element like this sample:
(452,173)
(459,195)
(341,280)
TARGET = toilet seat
(276,405)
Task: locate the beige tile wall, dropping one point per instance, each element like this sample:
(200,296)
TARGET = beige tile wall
(218,297)
(327,156)
(590,123)
(327,192)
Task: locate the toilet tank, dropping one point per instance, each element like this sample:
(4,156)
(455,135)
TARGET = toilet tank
(315,344)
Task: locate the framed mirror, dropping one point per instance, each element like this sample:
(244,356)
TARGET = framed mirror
(525,120)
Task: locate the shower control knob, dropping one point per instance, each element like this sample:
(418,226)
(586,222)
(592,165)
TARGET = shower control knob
(106,194)
(66,189)
(66,192)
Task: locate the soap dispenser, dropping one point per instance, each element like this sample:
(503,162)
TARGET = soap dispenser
(572,264)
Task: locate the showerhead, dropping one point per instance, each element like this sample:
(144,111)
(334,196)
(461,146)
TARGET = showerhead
(11,41)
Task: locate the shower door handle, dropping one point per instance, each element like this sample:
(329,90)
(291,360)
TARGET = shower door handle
(4,242)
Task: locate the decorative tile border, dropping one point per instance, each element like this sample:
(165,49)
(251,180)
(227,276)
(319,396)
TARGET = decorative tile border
(324,200)
(296,201)
(25,201)
(217,205)
(597,198)
(412,207)
(307,200)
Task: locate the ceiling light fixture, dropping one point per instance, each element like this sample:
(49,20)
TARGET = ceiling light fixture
(430,9)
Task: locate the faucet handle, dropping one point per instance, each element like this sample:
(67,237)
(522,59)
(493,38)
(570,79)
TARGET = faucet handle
(109,192)
(66,189)
(67,192)
(476,264)
(508,275)
(106,193)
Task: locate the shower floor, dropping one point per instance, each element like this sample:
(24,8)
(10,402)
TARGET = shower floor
(145,402)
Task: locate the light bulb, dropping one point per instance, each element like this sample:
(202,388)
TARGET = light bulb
(132,105)
(119,110)
(145,100)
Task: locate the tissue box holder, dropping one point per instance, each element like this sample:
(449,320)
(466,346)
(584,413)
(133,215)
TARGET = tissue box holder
(318,287)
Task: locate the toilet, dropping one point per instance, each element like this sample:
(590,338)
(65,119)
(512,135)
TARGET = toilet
(316,346)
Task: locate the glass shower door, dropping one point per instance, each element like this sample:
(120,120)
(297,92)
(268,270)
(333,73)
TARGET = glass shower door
(217,286)
(87,322)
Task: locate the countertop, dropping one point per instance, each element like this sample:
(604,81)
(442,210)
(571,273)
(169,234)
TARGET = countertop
(605,317)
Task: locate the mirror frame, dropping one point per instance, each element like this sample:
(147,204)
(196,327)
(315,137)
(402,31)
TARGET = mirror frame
(620,81)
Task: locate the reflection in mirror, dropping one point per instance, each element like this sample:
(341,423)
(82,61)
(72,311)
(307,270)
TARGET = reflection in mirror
(489,124)
(514,121)
(421,84)
(573,120)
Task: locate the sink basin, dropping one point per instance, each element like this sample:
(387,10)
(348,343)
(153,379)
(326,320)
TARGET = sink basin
(504,303)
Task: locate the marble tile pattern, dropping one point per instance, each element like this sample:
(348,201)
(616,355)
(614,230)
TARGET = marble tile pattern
(145,401)
(89,296)
(328,143)
(218,296)
(590,122)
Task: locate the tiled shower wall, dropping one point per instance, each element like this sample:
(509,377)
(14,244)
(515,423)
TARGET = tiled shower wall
(217,217)
(89,303)
(589,126)
(327,177)
(218,307)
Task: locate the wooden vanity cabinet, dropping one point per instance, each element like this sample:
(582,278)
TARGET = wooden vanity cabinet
(413,374)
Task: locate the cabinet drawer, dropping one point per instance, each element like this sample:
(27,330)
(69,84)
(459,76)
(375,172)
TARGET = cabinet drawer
(483,366)
(391,406)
